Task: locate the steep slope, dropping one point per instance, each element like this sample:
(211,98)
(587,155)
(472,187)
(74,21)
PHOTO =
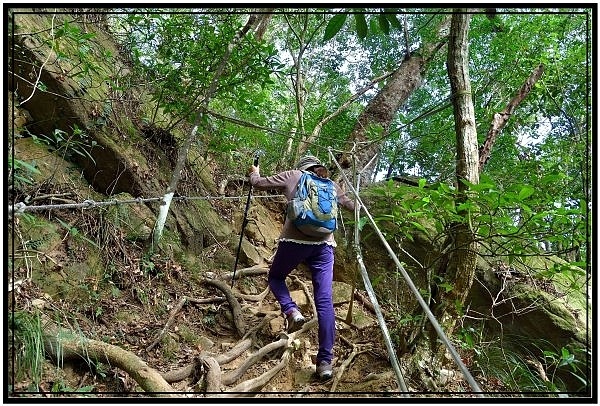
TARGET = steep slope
(89,270)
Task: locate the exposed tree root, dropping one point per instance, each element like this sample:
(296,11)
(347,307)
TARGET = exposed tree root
(251,271)
(343,320)
(288,340)
(180,374)
(260,325)
(174,312)
(236,309)
(233,376)
(234,353)
(253,298)
(259,382)
(252,385)
(63,345)
(355,351)
(215,380)
(372,380)
(306,292)
(222,359)
(367,303)
(216,299)
(213,375)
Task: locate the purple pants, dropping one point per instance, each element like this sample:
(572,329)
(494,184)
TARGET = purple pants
(319,258)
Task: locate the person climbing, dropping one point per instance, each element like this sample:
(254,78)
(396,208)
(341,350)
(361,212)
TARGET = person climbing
(295,247)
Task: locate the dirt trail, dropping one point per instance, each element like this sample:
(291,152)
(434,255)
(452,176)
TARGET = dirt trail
(177,340)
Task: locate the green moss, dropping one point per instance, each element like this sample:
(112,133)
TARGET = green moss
(556,309)
(170,347)
(188,336)
(125,316)
(136,220)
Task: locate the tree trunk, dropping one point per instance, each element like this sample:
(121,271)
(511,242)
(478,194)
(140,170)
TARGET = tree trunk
(374,123)
(461,266)
(305,143)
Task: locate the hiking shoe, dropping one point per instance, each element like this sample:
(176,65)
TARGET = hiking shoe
(295,320)
(324,370)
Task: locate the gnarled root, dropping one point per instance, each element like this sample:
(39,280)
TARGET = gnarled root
(63,345)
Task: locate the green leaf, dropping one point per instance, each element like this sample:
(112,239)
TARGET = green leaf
(447,287)
(566,360)
(384,24)
(334,26)
(525,192)
(361,25)
(22,164)
(483,231)
(444,188)
(465,206)
(419,226)
(551,178)
(394,20)
(422,183)
(361,222)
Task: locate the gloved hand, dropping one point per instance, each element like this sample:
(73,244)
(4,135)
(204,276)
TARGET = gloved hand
(253,169)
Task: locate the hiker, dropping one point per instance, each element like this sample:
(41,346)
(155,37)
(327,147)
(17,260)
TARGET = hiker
(317,253)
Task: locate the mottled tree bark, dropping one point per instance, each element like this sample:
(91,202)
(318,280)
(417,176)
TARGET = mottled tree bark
(375,120)
(460,270)
(64,345)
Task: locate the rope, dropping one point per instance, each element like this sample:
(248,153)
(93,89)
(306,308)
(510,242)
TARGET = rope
(371,292)
(20,208)
(413,288)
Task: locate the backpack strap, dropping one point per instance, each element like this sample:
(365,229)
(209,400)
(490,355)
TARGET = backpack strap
(301,190)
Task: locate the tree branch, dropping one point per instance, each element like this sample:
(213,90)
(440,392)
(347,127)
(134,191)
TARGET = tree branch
(500,119)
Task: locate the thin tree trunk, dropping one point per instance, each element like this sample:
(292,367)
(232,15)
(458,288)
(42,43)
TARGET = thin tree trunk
(375,120)
(300,93)
(461,267)
(304,144)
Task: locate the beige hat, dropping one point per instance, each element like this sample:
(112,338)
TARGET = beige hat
(307,162)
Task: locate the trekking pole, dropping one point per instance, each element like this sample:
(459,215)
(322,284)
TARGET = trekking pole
(245,221)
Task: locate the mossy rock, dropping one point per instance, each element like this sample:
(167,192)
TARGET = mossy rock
(136,220)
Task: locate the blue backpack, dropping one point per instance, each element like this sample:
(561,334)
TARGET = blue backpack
(314,208)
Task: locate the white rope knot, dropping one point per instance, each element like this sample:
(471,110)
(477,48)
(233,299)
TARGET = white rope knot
(18,208)
(89,203)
